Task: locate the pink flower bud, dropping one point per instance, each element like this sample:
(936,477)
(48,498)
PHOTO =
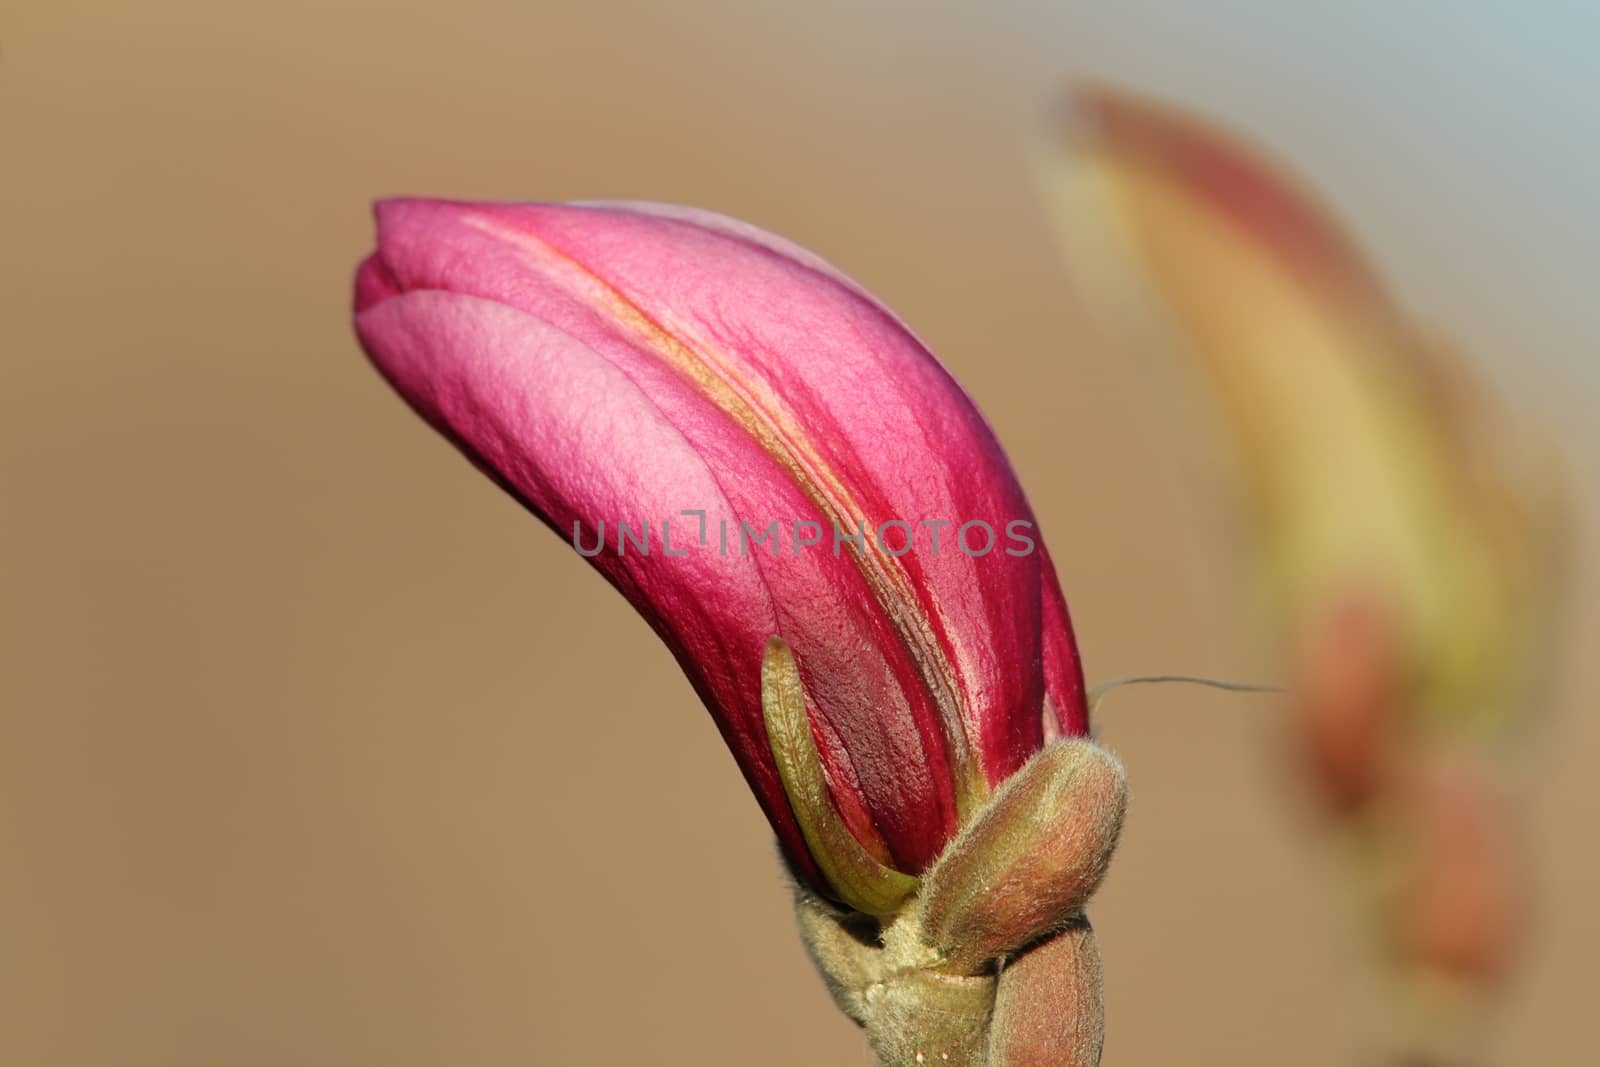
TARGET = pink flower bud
(771,436)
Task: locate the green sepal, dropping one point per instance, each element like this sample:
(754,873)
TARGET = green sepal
(855,875)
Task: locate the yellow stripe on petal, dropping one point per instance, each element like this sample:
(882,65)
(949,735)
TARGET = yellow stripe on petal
(860,880)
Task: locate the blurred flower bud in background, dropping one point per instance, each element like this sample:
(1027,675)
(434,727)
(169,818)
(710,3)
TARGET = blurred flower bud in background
(1405,535)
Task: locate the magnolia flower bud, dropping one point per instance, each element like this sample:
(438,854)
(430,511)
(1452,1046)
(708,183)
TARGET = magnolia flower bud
(1368,461)
(785,454)
(726,403)
(1410,542)
(1047,1008)
(1030,861)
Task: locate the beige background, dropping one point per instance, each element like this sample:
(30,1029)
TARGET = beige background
(315,750)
